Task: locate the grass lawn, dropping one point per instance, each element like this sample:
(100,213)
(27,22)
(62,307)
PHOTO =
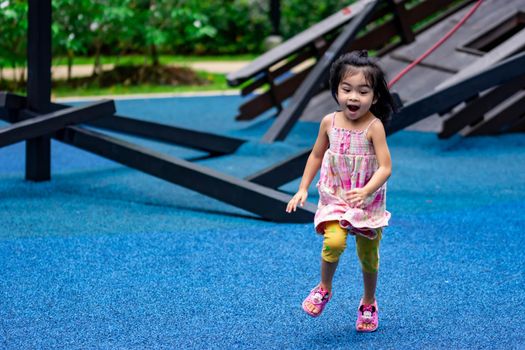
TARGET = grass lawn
(217,83)
(164,59)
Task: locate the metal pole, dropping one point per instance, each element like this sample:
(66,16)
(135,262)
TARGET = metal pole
(275,16)
(38,150)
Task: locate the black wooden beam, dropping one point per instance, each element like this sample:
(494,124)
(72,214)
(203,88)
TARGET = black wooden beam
(12,101)
(401,18)
(212,143)
(38,150)
(475,110)
(519,126)
(282,172)
(10,105)
(275,16)
(44,125)
(504,120)
(257,199)
(449,97)
(287,118)
(215,144)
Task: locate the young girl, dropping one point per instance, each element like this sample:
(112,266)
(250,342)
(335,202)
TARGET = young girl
(353,155)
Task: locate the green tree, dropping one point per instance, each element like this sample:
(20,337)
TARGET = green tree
(71,35)
(242,25)
(298,15)
(110,22)
(189,26)
(220,26)
(13,46)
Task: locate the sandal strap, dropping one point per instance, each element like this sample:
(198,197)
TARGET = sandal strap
(367,314)
(324,296)
(370,308)
(318,297)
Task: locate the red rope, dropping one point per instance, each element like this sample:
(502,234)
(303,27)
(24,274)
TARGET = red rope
(436,45)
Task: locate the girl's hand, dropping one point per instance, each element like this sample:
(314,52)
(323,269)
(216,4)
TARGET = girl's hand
(298,198)
(357,197)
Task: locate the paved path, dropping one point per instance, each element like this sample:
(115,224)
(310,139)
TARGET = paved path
(84,70)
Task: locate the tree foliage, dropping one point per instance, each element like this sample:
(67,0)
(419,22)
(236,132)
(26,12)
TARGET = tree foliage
(298,15)
(151,27)
(13,24)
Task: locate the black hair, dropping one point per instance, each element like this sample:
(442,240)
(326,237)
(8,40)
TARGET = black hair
(374,75)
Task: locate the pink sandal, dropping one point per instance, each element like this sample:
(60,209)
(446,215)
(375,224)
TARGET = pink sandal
(367,314)
(318,297)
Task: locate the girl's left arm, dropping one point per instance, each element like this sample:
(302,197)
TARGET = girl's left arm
(377,134)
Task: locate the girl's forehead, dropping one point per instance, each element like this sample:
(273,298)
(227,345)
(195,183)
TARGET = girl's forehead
(354,76)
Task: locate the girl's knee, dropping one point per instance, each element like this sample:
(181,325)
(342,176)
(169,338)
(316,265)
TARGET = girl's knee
(370,265)
(368,253)
(334,243)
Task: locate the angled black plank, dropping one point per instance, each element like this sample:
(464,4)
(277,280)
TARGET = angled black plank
(458,92)
(282,172)
(9,100)
(45,124)
(401,18)
(257,199)
(287,118)
(10,105)
(506,117)
(204,141)
(475,110)
(519,126)
(200,140)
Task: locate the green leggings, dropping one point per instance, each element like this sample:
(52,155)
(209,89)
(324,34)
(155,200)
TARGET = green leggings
(334,245)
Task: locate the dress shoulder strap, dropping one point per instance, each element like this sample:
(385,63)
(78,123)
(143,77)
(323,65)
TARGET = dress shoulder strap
(369,125)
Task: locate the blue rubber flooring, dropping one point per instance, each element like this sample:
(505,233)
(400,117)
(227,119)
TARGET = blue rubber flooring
(104,257)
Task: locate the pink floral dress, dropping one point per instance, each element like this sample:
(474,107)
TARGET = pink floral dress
(349,163)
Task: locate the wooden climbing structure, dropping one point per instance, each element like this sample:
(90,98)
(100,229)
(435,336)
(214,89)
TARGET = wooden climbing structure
(296,72)
(472,84)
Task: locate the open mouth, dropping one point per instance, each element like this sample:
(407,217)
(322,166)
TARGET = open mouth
(353,108)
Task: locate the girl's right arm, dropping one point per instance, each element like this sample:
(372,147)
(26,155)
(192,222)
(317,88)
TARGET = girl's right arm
(312,165)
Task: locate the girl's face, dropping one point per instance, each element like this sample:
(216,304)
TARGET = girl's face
(355,95)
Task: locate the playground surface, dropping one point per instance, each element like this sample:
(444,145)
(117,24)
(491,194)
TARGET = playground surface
(104,256)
